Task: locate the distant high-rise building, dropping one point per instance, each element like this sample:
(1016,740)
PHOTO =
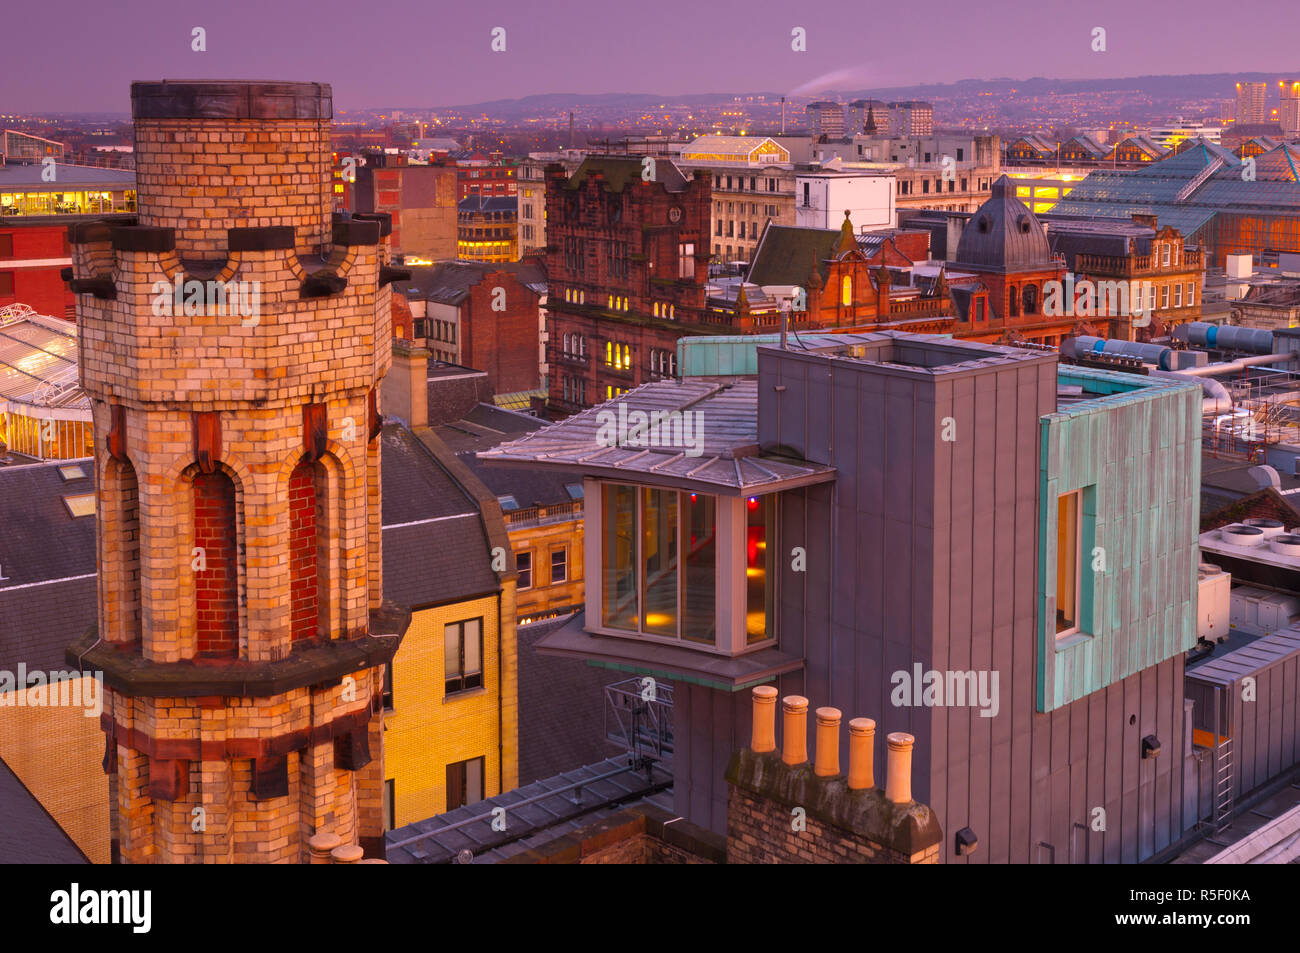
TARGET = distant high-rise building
(826,119)
(1250,103)
(1289,116)
(911,119)
(880,115)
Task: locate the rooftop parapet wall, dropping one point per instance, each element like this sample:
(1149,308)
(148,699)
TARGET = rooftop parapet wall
(288,329)
(217,155)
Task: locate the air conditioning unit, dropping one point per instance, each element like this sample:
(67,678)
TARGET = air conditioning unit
(1214,603)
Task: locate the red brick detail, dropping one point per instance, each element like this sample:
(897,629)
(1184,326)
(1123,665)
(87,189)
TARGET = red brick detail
(303,587)
(216,586)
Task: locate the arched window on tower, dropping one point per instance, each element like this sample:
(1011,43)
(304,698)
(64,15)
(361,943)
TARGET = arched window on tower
(846,291)
(1013,301)
(216,575)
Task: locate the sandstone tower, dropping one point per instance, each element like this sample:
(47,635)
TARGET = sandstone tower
(242,632)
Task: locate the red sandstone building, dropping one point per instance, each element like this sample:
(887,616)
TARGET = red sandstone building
(481,316)
(627,261)
(32,257)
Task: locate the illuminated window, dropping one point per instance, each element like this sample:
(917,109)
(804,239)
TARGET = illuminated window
(1068,558)
(846,291)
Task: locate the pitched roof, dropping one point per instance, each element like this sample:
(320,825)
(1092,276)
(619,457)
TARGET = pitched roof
(435,545)
(561,708)
(618,172)
(1266,504)
(486,427)
(29,835)
(786,254)
(449,282)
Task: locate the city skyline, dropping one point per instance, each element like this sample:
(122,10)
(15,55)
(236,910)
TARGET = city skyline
(446,58)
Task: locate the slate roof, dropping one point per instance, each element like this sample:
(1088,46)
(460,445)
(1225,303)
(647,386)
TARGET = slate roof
(486,427)
(561,708)
(47,556)
(546,818)
(786,253)
(29,835)
(435,546)
(449,282)
(621,171)
(728,460)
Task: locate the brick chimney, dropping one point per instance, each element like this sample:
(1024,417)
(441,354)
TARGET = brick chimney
(780,809)
(405,392)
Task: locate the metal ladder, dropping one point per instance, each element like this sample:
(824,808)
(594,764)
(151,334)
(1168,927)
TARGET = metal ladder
(1222,764)
(1222,784)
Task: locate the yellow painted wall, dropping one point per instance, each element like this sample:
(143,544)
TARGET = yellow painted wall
(57,753)
(428,730)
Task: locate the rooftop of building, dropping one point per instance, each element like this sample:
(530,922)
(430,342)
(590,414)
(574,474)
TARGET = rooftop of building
(618,172)
(714,448)
(1003,234)
(536,814)
(488,203)
(29,835)
(449,282)
(47,560)
(38,360)
(1188,189)
(486,427)
(435,546)
(33,177)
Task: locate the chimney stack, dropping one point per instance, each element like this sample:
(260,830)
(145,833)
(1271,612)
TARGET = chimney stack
(898,771)
(862,740)
(794,730)
(763,735)
(828,742)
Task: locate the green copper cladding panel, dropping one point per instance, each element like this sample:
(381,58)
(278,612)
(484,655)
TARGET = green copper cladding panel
(1135,451)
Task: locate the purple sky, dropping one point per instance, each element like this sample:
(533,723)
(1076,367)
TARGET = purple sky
(82,55)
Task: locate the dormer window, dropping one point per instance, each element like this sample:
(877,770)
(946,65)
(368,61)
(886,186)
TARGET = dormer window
(681,567)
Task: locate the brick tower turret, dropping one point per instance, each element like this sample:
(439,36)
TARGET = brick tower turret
(232,345)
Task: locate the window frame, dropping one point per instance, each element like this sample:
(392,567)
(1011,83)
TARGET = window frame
(463,678)
(563,552)
(730,563)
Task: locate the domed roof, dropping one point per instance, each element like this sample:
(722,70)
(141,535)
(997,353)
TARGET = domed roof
(1003,234)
